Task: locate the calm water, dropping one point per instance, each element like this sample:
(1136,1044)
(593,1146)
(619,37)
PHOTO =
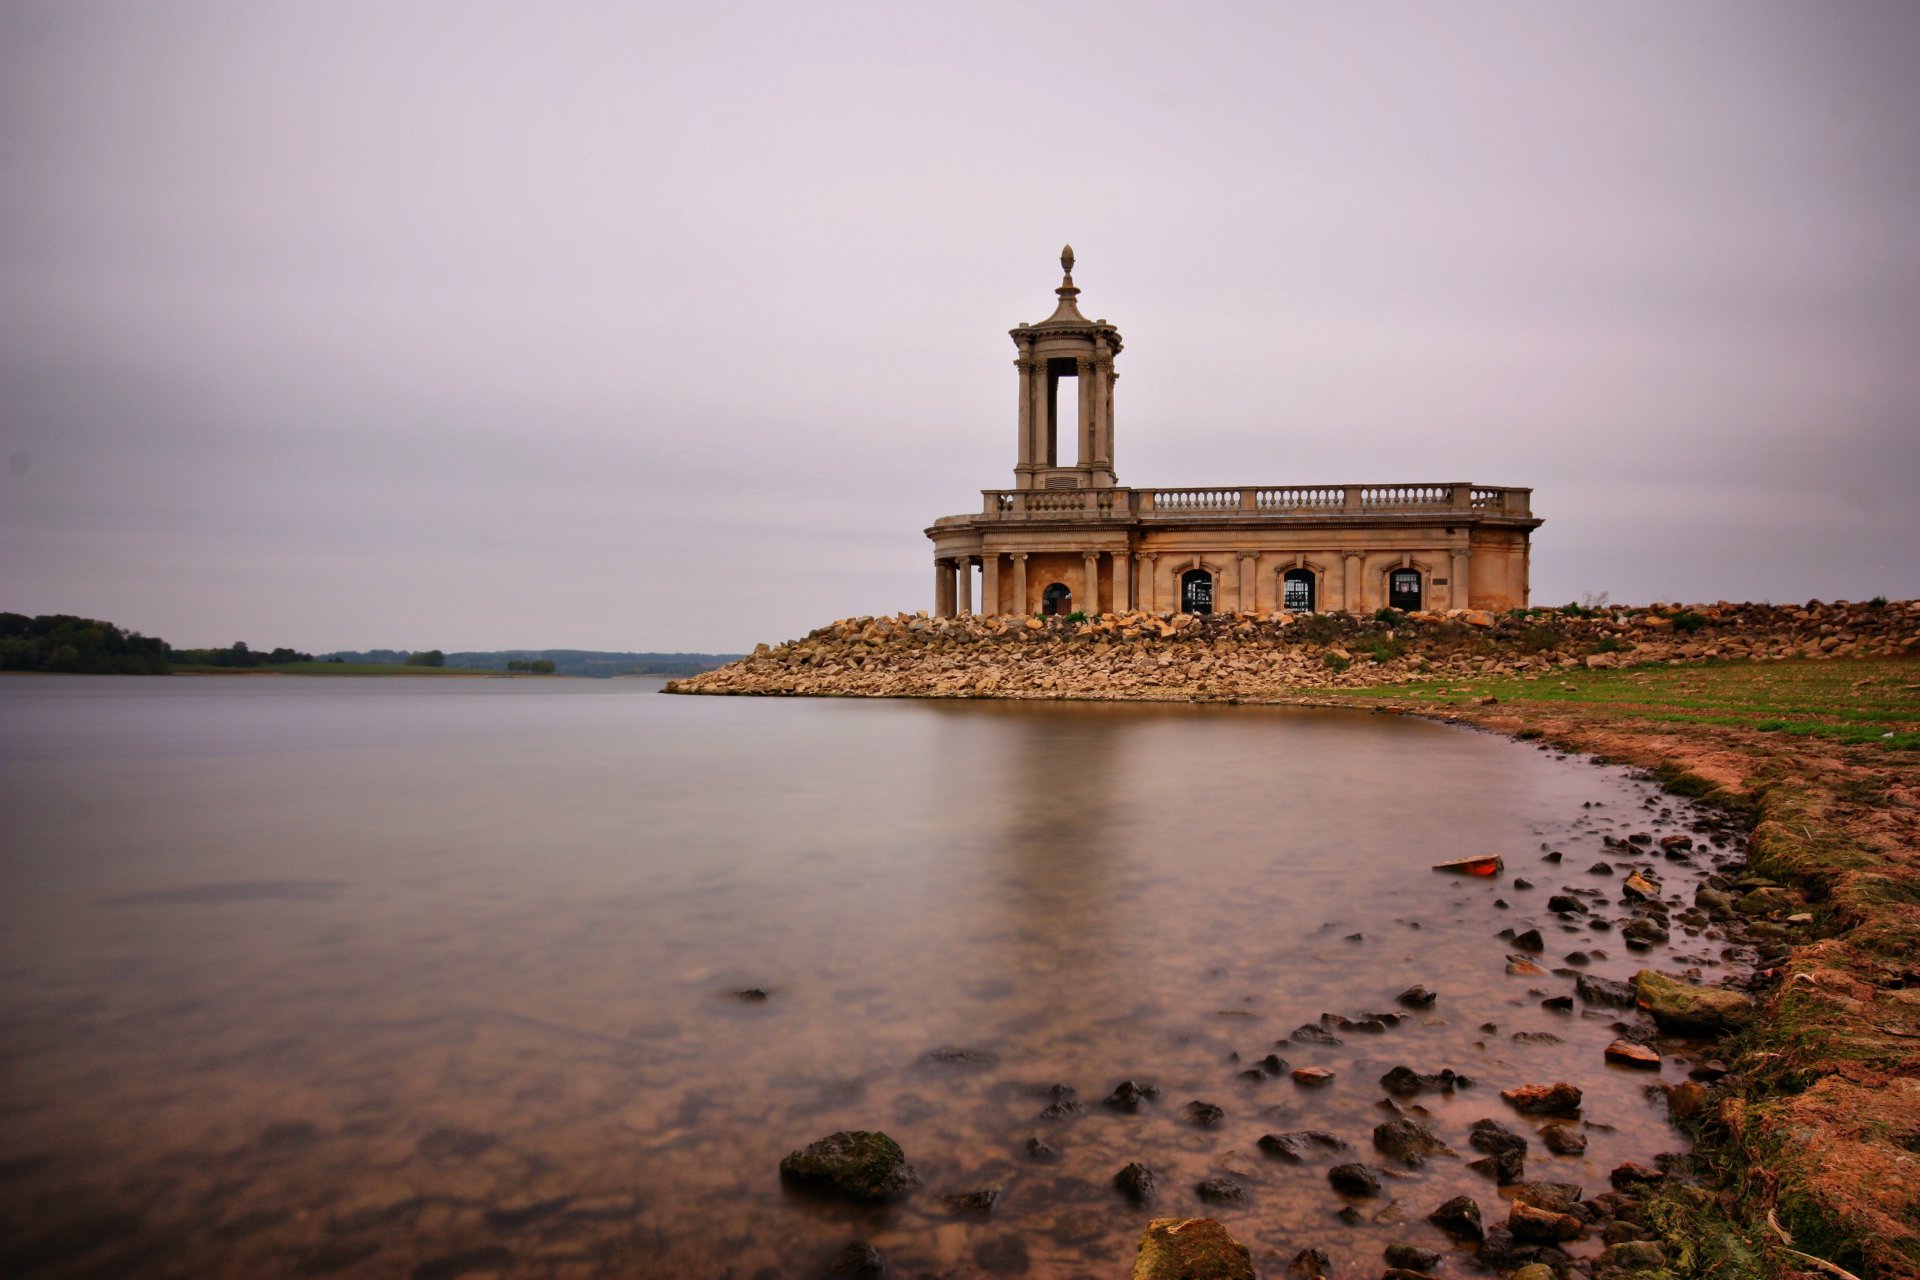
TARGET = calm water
(434,977)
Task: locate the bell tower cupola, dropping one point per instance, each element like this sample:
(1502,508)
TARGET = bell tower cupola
(1066,395)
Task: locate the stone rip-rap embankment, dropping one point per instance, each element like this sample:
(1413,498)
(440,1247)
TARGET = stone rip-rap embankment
(1149,657)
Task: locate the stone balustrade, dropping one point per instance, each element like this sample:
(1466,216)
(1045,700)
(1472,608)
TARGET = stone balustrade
(1315,501)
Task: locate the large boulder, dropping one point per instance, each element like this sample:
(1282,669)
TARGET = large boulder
(1684,1010)
(857,1164)
(1191,1249)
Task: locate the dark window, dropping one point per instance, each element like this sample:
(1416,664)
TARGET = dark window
(1061,369)
(1056,600)
(1196,591)
(1403,589)
(1296,591)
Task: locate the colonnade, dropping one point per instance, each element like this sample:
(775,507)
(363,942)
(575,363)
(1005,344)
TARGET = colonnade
(953,582)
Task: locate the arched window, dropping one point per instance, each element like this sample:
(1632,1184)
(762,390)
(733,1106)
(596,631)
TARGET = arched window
(1403,589)
(1296,591)
(1056,600)
(1196,591)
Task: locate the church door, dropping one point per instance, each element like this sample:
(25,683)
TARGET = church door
(1056,601)
(1296,591)
(1196,591)
(1403,589)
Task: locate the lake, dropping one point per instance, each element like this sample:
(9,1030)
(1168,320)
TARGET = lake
(436,977)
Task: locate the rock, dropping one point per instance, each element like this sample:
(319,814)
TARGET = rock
(1535,1037)
(1505,1167)
(1406,1140)
(1204,1114)
(1355,1179)
(1601,869)
(1273,1064)
(1559,1004)
(858,1164)
(1689,1101)
(751,995)
(1638,886)
(1418,997)
(1605,991)
(1540,1226)
(1566,904)
(515,1216)
(972,1204)
(1041,1149)
(1314,1033)
(1628,1257)
(1191,1249)
(1628,1054)
(1700,1012)
(1563,1141)
(858,1261)
(1530,941)
(1127,1096)
(1633,1176)
(1408,1257)
(1460,1217)
(1297,1146)
(1643,932)
(1493,1137)
(1312,1076)
(1405,1081)
(1534,1271)
(1542,1099)
(1137,1183)
(1766,901)
(1310,1264)
(1066,1103)
(1221,1191)
(970,1059)
(1554,1197)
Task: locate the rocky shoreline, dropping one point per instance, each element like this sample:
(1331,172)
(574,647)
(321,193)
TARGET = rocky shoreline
(1148,656)
(1805,1122)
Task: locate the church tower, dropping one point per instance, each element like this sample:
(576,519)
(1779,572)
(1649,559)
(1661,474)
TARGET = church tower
(1066,395)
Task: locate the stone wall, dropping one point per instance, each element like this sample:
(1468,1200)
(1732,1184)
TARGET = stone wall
(1149,656)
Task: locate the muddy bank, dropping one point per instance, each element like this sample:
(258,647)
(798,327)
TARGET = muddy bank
(1182,656)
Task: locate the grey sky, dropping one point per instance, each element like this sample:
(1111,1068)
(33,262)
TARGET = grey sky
(671,326)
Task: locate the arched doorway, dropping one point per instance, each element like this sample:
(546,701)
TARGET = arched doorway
(1057,600)
(1296,591)
(1196,591)
(1403,589)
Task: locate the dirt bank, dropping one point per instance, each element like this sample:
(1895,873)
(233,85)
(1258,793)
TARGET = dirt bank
(1803,720)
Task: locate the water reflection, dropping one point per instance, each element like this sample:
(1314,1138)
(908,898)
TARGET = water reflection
(328,978)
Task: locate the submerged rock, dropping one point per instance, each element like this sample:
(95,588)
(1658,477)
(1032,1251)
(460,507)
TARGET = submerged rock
(1418,997)
(1296,1147)
(1492,1137)
(1312,1076)
(1204,1114)
(1539,1099)
(1563,1140)
(858,1261)
(1191,1249)
(855,1164)
(1629,1054)
(1406,1140)
(1221,1190)
(1408,1257)
(1127,1095)
(1604,991)
(1355,1179)
(1405,1081)
(1460,1217)
(1137,1183)
(1541,1226)
(973,1204)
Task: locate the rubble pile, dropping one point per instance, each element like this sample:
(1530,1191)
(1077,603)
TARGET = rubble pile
(1156,656)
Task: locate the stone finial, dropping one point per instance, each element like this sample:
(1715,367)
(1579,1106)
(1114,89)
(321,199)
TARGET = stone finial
(1066,259)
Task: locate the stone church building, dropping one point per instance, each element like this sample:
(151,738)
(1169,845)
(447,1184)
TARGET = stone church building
(1068,536)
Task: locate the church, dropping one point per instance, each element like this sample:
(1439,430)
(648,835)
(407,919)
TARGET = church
(1068,537)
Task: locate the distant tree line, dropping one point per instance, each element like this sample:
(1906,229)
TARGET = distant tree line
(536,666)
(237,655)
(61,642)
(566,662)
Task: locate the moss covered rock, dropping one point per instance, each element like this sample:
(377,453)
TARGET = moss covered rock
(1684,1010)
(1191,1249)
(857,1164)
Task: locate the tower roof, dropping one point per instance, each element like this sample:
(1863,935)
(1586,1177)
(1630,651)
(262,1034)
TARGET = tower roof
(1068,312)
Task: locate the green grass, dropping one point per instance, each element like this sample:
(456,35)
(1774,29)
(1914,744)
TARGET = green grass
(1866,701)
(331,669)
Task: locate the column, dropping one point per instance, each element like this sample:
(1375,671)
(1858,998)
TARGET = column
(990,584)
(1020,604)
(1350,594)
(942,589)
(965,565)
(1023,470)
(1147,587)
(1084,369)
(1042,383)
(1460,583)
(1091,605)
(1249,582)
(1122,582)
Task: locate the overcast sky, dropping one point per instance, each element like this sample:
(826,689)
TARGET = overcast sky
(630,326)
